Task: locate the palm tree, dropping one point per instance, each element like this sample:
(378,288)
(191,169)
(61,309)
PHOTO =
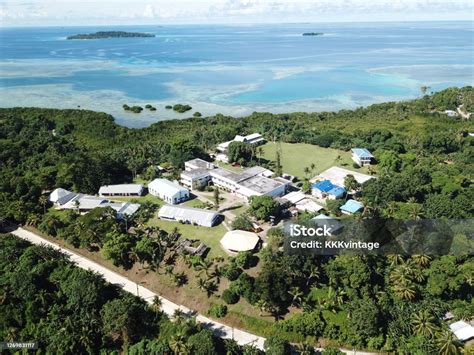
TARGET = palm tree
(421,260)
(202,284)
(305,349)
(405,290)
(262,306)
(156,305)
(415,211)
(211,288)
(178,343)
(43,201)
(306,172)
(423,323)
(395,259)
(391,209)
(296,295)
(446,343)
(313,274)
(179,316)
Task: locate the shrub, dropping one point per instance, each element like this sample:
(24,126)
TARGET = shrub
(230,297)
(232,271)
(218,310)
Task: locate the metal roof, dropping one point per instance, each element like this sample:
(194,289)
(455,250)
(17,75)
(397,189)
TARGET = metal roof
(352,206)
(121,189)
(362,153)
(164,185)
(184,213)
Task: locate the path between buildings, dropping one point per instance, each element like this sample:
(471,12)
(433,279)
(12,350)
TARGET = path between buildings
(221,330)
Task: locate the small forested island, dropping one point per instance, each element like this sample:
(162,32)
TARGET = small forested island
(313,34)
(110,34)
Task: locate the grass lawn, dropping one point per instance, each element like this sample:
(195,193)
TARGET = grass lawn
(209,236)
(227,166)
(295,157)
(148,197)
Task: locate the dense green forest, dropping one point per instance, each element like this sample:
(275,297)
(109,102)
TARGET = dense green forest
(426,158)
(425,163)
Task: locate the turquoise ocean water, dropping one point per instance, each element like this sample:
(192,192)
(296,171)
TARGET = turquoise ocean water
(233,70)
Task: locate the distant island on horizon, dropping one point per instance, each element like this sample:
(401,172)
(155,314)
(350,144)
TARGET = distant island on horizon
(313,34)
(110,34)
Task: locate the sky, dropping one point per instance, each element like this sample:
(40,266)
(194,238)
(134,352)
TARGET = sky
(151,12)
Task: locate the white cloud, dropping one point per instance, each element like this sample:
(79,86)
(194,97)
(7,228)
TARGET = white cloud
(13,12)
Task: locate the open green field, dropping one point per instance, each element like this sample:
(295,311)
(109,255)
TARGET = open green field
(148,197)
(296,157)
(209,236)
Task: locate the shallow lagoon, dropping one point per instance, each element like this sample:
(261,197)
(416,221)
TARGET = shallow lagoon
(233,70)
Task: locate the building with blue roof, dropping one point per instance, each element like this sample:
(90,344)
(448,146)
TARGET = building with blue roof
(326,189)
(351,207)
(362,156)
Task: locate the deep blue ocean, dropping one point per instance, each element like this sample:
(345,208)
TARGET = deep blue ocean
(233,70)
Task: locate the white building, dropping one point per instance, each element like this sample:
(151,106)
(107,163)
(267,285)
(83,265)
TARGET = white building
(189,215)
(198,164)
(260,186)
(451,113)
(462,330)
(60,197)
(362,156)
(168,191)
(66,200)
(337,175)
(254,138)
(250,182)
(121,190)
(239,241)
(195,179)
(302,202)
(125,209)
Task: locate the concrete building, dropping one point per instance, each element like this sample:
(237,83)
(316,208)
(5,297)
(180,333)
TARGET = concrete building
(362,156)
(198,164)
(168,191)
(239,241)
(189,215)
(254,138)
(260,186)
(250,182)
(195,179)
(351,207)
(60,197)
(337,175)
(121,190)
(327,190)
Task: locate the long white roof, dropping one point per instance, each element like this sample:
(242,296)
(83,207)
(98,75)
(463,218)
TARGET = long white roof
(167,186)
(121,189)
(238,240)
(187,213)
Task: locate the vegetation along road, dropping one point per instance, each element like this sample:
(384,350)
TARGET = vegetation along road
(168,307)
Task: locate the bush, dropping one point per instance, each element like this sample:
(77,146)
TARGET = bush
(243,259)
(230,297)
(197,114)
(232,271)
(355,165)
(218,310)
(276,346)
(242,222)
(168,107)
